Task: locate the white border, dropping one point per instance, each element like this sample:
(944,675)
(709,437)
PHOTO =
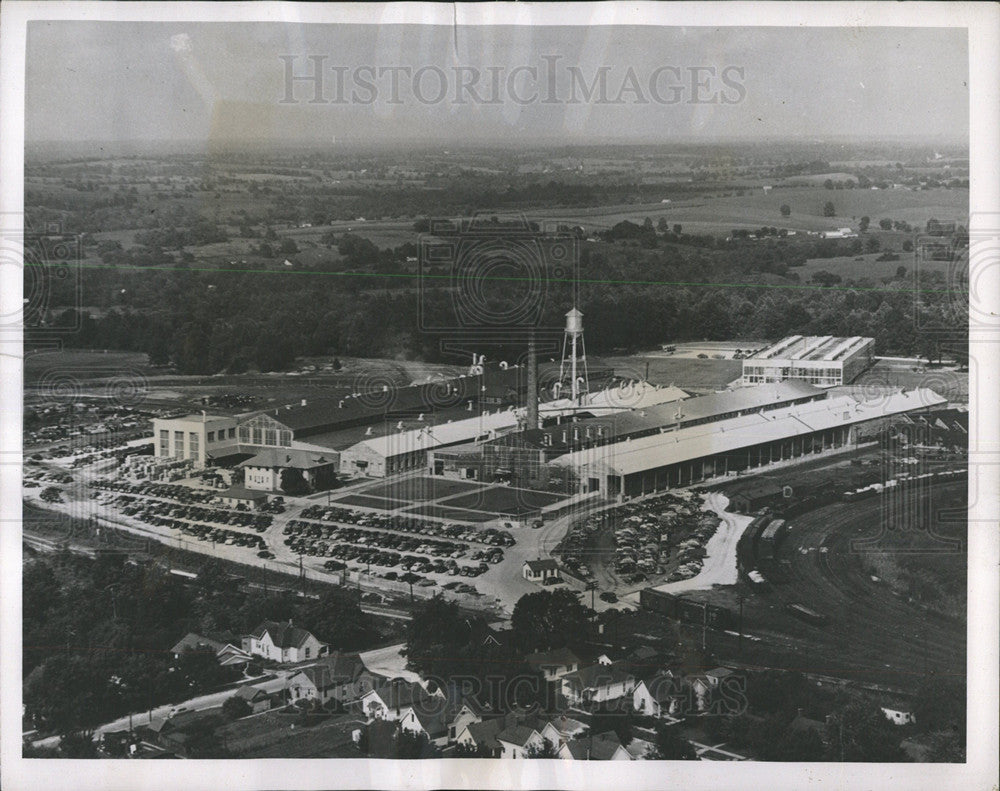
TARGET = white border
(983,23)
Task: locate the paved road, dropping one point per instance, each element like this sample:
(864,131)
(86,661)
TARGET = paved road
(200,703)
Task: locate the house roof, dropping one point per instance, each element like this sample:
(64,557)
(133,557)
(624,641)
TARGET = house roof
(485,733)
(516,734)
(600,747)
(561,657)
(250,693)
(719,672)
(291,457)
(592,676)
(283,635)
(399,694)
(546,564)
(200,642)
(434,723)
(662,687)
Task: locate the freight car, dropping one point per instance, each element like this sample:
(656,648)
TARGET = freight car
(804,613)
(686,610)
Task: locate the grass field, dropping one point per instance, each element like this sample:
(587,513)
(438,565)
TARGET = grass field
(272,735)
(419,489)
(504,500)
(82,364)
(685,373)
(370,502)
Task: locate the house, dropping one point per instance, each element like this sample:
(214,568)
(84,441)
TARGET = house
(255,697)
(661,696)
(553,665)
(339,677)
(470,711)
(481,737)
(224,645)
(519,741)
(598,683)
(281,642)
(431,722)
(600,747)
(390,700)
(899,713)
(540,570)
(562,729)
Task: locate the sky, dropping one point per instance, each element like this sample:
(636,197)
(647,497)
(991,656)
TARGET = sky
(205,82)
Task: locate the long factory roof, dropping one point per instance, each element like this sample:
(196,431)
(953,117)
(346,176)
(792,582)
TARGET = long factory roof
(660,450)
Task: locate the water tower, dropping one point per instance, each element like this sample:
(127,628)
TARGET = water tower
(574,357)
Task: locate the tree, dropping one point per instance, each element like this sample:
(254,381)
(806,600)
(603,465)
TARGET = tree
(861,732)
(435,635)
(865,222)
(907,246)
(77,745)
(662,225)
(669,745)
(546,750)
(235,708)
(900,272)
(293,481)
(548,619)
(288,247)
(829,210)
(825,278)
(872,244)
(885,224)
(828,184)
(678,228)
(786,210)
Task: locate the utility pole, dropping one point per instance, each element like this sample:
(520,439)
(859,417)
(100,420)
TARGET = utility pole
(704,627)
(741,627)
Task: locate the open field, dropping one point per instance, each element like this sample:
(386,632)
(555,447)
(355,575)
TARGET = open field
(707,214)
(275,735)
(684,372)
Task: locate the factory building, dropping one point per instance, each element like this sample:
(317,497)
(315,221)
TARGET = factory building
(736,444)
(523,458)
(824,361)
(196,438)
(407,450)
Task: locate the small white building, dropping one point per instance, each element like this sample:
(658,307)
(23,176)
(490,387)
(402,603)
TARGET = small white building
(283,642)
(598,684)
(899,715)
(660,696)
(518,741)
(540,570)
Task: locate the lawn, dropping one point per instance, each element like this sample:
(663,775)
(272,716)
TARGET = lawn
(419,489)
(685,373)
(371,502)
(273,735)
(504,500)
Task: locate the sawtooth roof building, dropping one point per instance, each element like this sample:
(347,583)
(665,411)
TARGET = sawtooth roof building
(822,360)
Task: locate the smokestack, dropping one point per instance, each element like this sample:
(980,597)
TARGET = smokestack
(532,383)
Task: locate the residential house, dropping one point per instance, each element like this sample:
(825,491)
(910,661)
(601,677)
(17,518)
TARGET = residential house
(338,677)
(256,698)
(482,736)
(562,729)
(600,747)
(281,642)
(391,700)
(660,696)
(540,570)
(519,741)
(470,711)
(555,664)
(598,683)
(703,685)
(431,722)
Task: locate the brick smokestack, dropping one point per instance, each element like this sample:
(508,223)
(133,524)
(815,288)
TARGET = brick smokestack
(532,404)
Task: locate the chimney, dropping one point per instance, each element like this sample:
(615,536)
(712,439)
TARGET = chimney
(532,395)
(303,402)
